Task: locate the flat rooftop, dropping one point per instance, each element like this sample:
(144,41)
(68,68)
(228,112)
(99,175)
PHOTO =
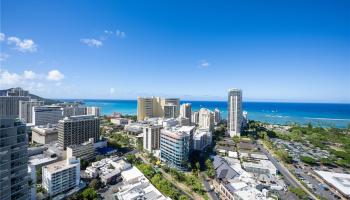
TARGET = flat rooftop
(338,180)
(60,166)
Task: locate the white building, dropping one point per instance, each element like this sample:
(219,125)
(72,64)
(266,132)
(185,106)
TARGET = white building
(137,186)
(84,151)
(151,137)
(195,117)
(234,114)
(26,109)
(44,134)
(120,121)
(43,115)
(183,121)
(201,139)
(217,116)
(206,119)
(261,167)
(93,111)
(186,111)
(61,176)
(171,110)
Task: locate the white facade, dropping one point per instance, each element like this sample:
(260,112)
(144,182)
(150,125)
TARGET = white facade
(195,117)
(84,151)
(93,111)
(234,114)
(26,109)
(206,119)
(61,176)
(217,116)
(201,139)
(151,137)
(186,111)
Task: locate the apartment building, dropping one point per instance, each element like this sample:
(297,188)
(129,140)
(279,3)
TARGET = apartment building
(77,130)
(61,176)
(234,114)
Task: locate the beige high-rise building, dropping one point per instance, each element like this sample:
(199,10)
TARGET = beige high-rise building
(234,112)
(148,107)
(206,119)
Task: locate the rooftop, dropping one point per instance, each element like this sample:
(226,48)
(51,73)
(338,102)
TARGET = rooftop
(61,165)
(338,180)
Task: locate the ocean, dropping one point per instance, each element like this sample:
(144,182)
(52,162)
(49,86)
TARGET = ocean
(319,114)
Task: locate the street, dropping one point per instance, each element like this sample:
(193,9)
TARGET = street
(285,172)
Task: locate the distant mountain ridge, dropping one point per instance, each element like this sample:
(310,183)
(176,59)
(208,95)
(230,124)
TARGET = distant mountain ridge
(33,96)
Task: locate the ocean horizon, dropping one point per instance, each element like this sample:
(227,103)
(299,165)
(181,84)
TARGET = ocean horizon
(318,114)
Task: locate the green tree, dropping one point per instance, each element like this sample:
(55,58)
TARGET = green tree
(210,168)
(308,160)
(89,194)
(184,197)
(95,183)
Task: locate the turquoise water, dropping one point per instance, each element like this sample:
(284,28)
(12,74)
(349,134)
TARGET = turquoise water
(322,114)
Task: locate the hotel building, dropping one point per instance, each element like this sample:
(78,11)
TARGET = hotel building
(78,129)
(43,115)
(149,107)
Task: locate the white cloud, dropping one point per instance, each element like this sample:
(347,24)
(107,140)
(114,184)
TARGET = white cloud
(203,64)
(108,32)
(120,34)
(112,90)
(92,42)
(9,79)
(28,74)
(3,56)
(25,45)
(2,36)
(55,75)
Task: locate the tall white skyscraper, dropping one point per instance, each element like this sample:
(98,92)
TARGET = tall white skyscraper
(234,112)
(186,111)
(217,116)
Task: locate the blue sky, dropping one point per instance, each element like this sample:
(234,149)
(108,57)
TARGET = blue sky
(272,50)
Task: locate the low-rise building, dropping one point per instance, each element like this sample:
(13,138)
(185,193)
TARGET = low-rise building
(61,176)
(108,169)
(44,134)
(84,151)
(120,121)
(137,186)
(261,167)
